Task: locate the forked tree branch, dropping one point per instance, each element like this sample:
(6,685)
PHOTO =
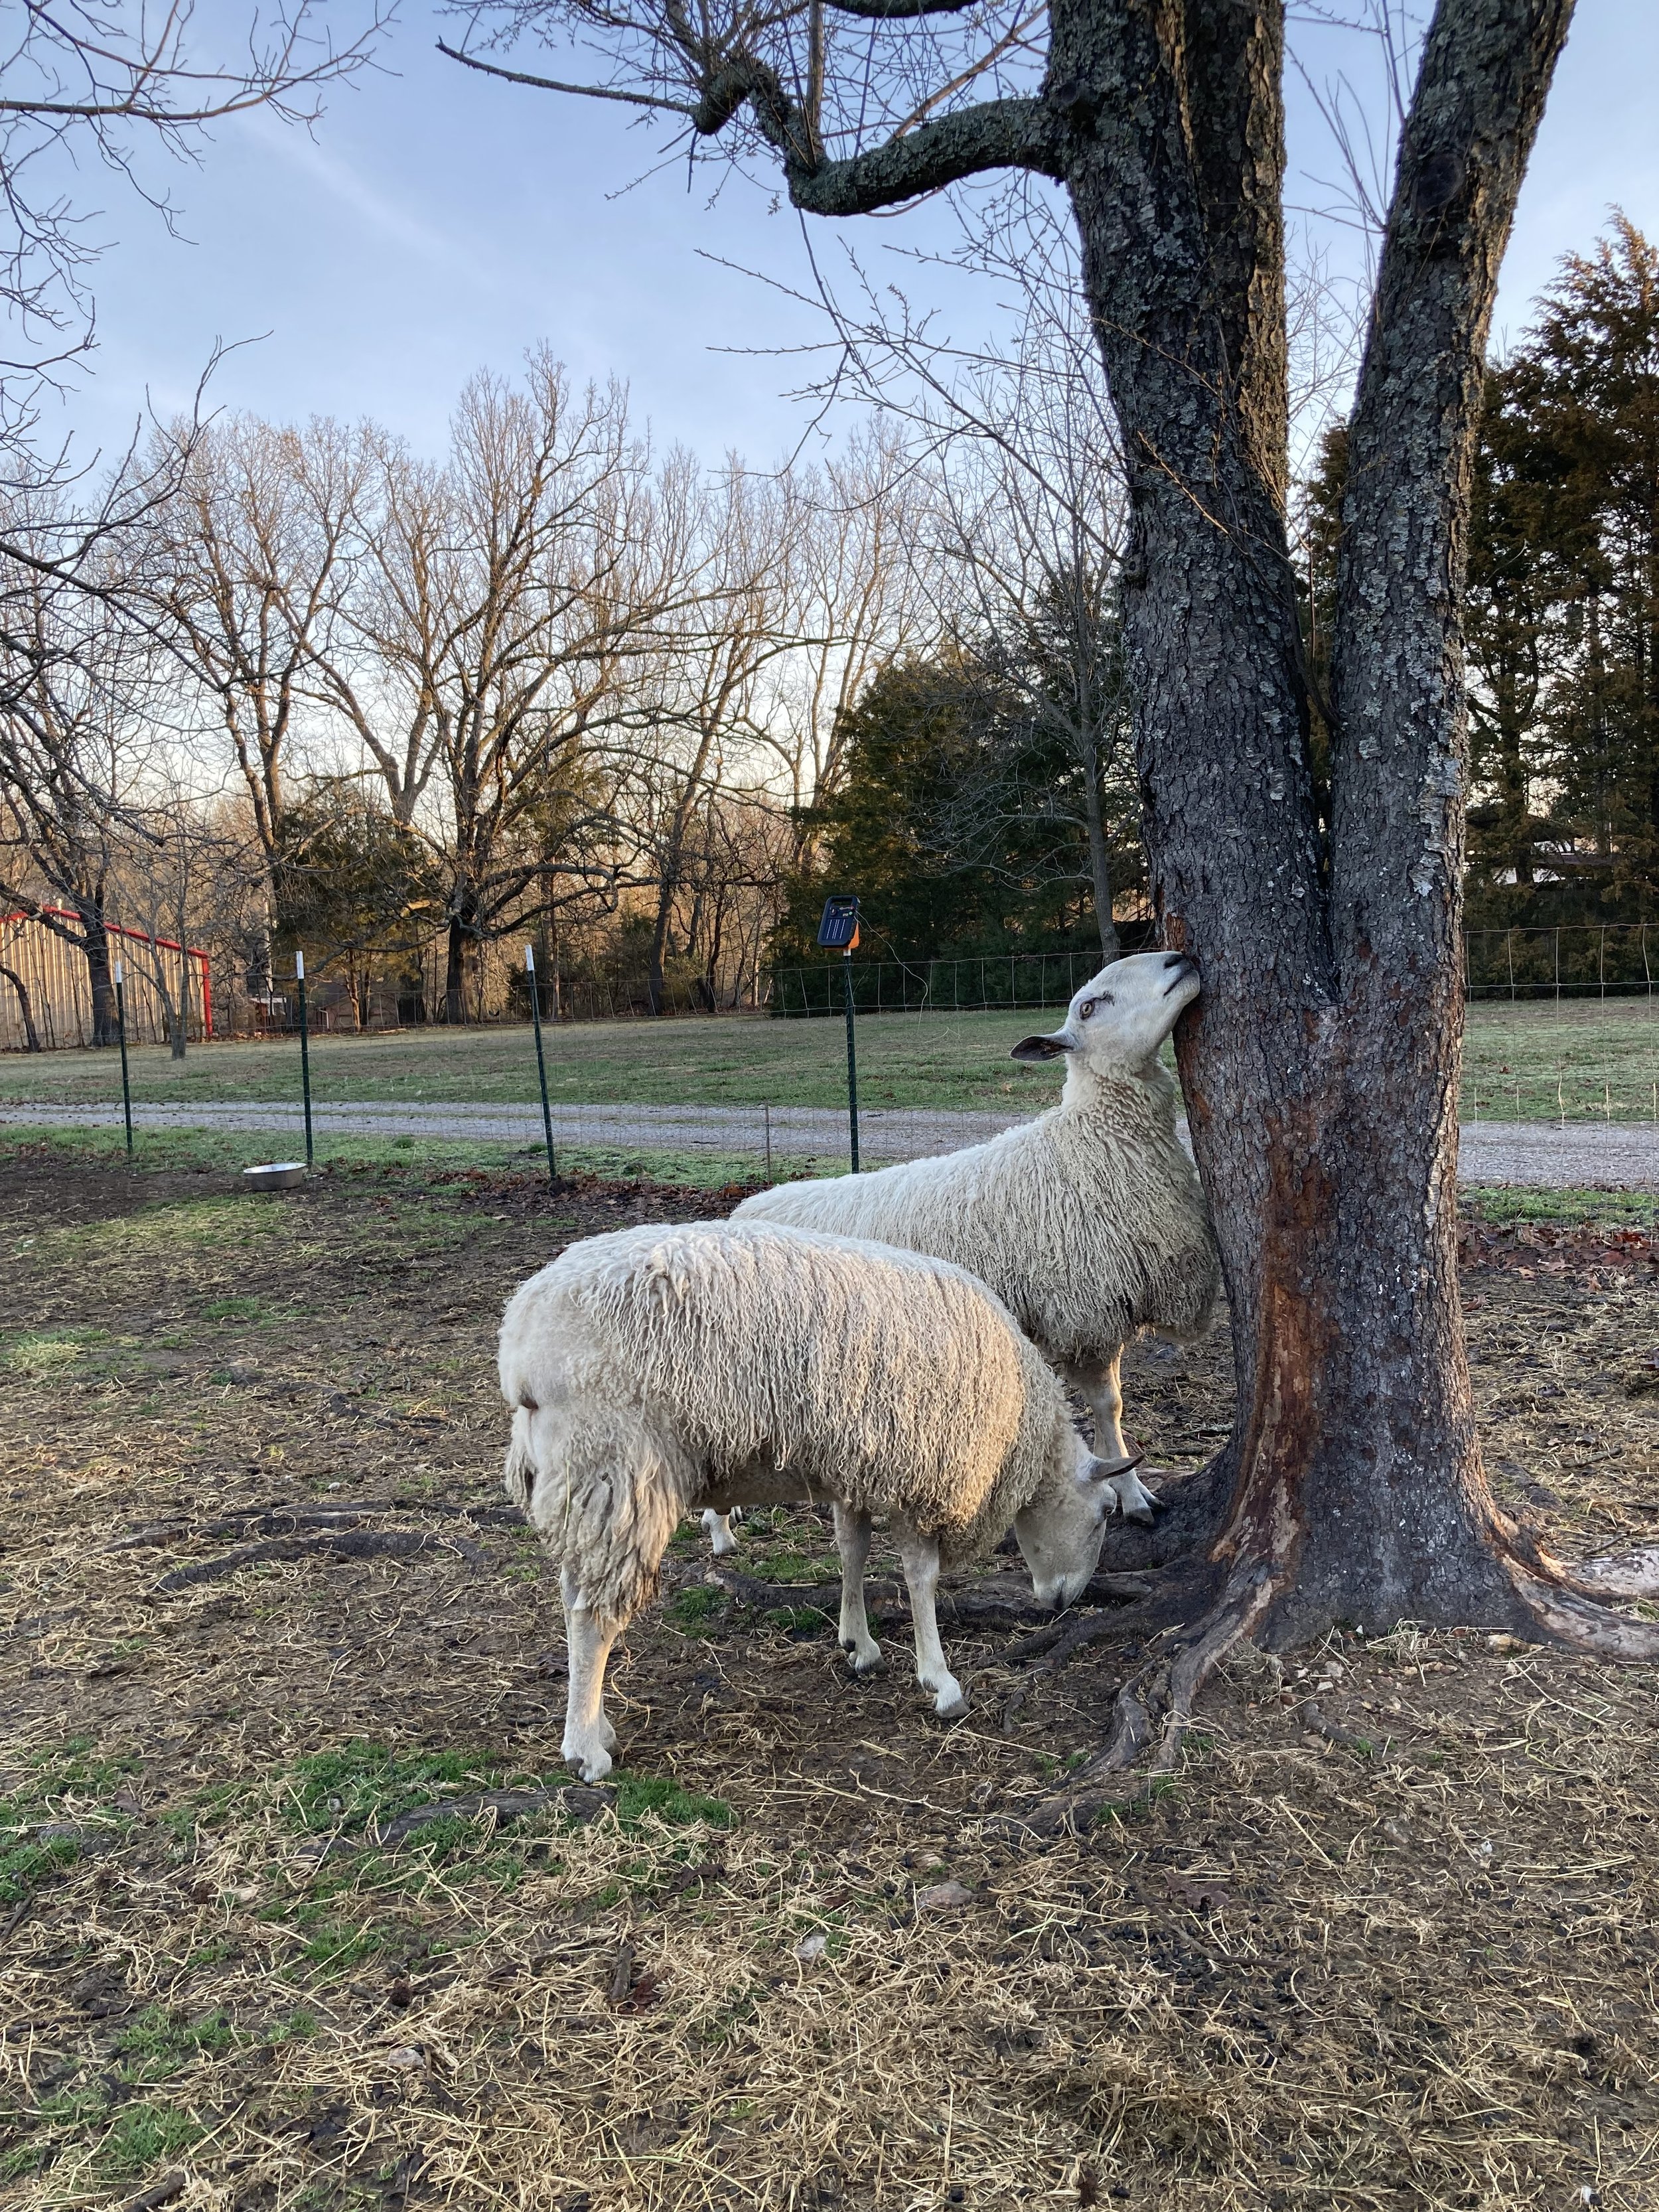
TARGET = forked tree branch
(994,134)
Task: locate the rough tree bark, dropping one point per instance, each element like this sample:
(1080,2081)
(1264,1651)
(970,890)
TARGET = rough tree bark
(95,944)
(1321,1064)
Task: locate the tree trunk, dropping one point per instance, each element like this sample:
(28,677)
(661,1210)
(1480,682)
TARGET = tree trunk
(1322,1063)
(106,1029)
(181,1019)
(261,979)
(656,980)
(26,1012)
(458,963)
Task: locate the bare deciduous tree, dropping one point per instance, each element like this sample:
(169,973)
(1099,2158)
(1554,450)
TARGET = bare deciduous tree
(73,680)
(100,83)
(511,589)
(242,575)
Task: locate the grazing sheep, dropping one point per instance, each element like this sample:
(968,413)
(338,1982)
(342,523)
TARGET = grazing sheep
(1089,1223)
(659,1371)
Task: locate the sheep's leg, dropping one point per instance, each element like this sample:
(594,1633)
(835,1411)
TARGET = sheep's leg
(921,1558)
(1101,1387)
(717,1527)
(852,1542)
(589,1738)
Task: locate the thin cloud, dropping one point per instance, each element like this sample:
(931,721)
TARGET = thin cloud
(347,189)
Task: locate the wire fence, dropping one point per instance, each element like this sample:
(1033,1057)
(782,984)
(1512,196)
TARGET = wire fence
(940,986)
(1597,960)
(1575,961)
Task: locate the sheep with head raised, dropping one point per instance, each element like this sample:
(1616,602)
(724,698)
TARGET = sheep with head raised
(657,1371)
(1088,1223)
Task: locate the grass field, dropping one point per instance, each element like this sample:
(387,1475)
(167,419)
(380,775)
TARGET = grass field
(1527,1062)
(415,1163)
(261,1600)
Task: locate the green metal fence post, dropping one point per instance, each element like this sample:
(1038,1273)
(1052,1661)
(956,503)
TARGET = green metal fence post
(305,1050)
(541,1061)
(852,1058)
(121,1033)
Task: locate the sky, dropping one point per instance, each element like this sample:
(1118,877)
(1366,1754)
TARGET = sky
(436,223)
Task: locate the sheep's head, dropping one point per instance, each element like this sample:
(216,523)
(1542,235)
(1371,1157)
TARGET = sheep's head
(1060,1533)
(1117,1021)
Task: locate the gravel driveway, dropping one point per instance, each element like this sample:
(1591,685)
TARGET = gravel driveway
(1582,1155)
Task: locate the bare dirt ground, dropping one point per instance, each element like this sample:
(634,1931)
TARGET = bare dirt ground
(260,1598)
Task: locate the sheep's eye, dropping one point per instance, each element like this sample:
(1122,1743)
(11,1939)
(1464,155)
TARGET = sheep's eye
(1085,1010)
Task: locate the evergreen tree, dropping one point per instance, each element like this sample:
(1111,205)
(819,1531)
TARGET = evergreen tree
(1562,619)
(957,822)
(1596,351)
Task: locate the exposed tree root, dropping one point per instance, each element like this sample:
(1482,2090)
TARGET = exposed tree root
(1154,1707)
(581,1803)
(279,1520)
(1566,1601)
(1621,1574)
(335,1544)
(1058,1643)
(1567,1605)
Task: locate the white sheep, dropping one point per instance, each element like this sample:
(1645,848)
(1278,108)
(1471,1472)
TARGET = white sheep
(660,1370)
(1088,1223)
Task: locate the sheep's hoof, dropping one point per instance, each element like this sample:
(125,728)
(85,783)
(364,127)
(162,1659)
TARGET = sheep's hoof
(864,1664)
(1142,1514)
(956,1709)
(591,1762)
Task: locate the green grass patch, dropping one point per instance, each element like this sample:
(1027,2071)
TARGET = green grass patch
(790,1567)
(361,1784)
(24,1865)
(161,2043)
(144,2135)
(335,1950)
(68,1784)
(40,1355)
(792,1618)
(640,1797)
(695,1608)
(1633,1209)
(1530,1059)
(936,1059)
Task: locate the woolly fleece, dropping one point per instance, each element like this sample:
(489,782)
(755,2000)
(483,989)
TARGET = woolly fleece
(1089,1223)
(659,1371)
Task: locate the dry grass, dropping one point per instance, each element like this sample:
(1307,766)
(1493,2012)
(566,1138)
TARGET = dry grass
(1415,1974)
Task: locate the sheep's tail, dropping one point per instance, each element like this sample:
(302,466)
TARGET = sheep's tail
(519,1474)
(609,1493)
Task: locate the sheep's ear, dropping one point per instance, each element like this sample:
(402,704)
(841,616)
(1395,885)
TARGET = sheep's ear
(1040,1047)
(1103,1470)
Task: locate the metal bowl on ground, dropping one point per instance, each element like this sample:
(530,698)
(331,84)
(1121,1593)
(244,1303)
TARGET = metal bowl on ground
(276,1175)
